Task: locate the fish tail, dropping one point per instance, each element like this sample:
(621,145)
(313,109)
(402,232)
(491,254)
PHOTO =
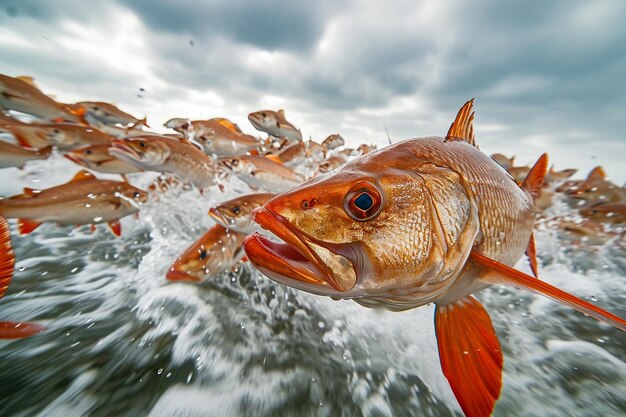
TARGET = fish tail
(7,257)
(19,330)
(510,276)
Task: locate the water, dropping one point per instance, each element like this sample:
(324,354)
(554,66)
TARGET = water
(124,342)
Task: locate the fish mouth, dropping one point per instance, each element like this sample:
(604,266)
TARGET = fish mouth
(74,158)
(293,262)
(180,276)
(118,146)
(217,216)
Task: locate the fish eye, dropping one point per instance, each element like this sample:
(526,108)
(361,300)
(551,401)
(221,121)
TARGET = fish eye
(234,162)
(263,114)
(142,144)
(363,201)
(202,254)
(136,194)
(235,210)
(56,131)
(88,152)
(96,108)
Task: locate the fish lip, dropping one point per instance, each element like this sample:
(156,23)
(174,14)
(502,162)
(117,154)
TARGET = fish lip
(217,216)
(119,145)
(73,158)
(180,276)
(265,253)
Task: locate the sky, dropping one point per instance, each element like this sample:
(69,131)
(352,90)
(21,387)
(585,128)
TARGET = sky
(547,76)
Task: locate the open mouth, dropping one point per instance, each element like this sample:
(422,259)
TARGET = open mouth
(217,216)
(120,147)
(73,158)
(285,262)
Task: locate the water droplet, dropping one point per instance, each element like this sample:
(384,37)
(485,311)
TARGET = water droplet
(74,270)
(160,371)
(21,269)
(321,324)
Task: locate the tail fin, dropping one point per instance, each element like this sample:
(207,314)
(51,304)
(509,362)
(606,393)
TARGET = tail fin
(7,257)
(141,122)
(511,276)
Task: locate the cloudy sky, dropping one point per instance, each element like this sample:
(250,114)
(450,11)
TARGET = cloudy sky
(547,76)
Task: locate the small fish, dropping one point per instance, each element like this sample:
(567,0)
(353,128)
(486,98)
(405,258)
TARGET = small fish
(315,151)
(595,189)
(261,172)
(21,94)
(332,162)
(426,220)
(519,173)
(16,156)
(503,161)
(98,158)
(219,140)
(227,124)
(333,142)
(179,124)
(559,176)
(109,114)
(364,149)
(218,250)
(8,329)
(291,156)
(236,214)
(606,213)
(62,135)
(162,154)
(83,200)
(274,123)
(118,132)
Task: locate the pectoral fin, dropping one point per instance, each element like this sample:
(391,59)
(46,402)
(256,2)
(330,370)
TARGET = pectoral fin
(116,227)
(13,330)
(25,226)
(506,275)
(470,355)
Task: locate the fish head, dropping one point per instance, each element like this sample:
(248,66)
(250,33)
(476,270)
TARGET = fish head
(143,152)
(364,230)
(237,213)
(179,124)
(264,119)
(89,156)
(238,165)
(131,197)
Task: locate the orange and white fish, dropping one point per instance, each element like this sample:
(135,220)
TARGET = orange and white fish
(291,156)
(332,162)
(83,200)
(179,124)
(21,94)
(236,214)
(274,123)
(504,161)
(333,141)
(61,135)
(220,141)
(98,158)
(109,114)
(596,189)
(218,250)
(16,156)
(606,213)
(315,151)
(364,149)
(260,172)
(163,154)
(426,220)
(9,329)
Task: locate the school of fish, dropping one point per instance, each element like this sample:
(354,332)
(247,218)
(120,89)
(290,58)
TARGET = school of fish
(426,220)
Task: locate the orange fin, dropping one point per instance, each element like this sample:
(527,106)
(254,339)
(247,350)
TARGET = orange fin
(596,174)
(82,175)
(180,276)
(13,330)
(28,80)
(537,174)
(531,252)
(92,228)
(25,226)
(510,276)
(7,257)
(274,158)
(470,355)
(30,192)
(463,126)
(116,227)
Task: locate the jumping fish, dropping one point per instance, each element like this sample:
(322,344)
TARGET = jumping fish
(16,156)
(83,200)
(109,114)
(606,212)
(333,141)
(218,250)
(261,172)
(426,220)
(8,329)
(162,154)
(62,135)
(274,123)
(98,158)
(21,94)
(218,140)
(236,214)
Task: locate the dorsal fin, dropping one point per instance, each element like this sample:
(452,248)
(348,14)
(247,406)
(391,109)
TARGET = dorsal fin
(537,174)
(463,128)
(82,176)
(28,80)
(281,112)
(596,174)
(31,192)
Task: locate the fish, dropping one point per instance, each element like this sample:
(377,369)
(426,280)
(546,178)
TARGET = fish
(109,114)
(364,149)
(559,176)
(163,154)
(315,151)
(332,162)
(221,141)
(216,251)
(16,156)
(9,329)
(504,161)
(179,124)
(260,172)
(20,94)
(118,132)
(236,214)
(291,156)
(595,189)
(98,158)
(83,200)
(425,220)
(62,135)
(227,124)
(606,213)
(274,123)
(333,141)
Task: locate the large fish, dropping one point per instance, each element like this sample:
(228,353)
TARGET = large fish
(109,114)
(218,250)
(21,94)
(219,140)
(98,158)
(236,214)
(83,200)
(274,123)
(162,154)
(9,329)
(16,156)
(261,172)
(62,135)
(427,220)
